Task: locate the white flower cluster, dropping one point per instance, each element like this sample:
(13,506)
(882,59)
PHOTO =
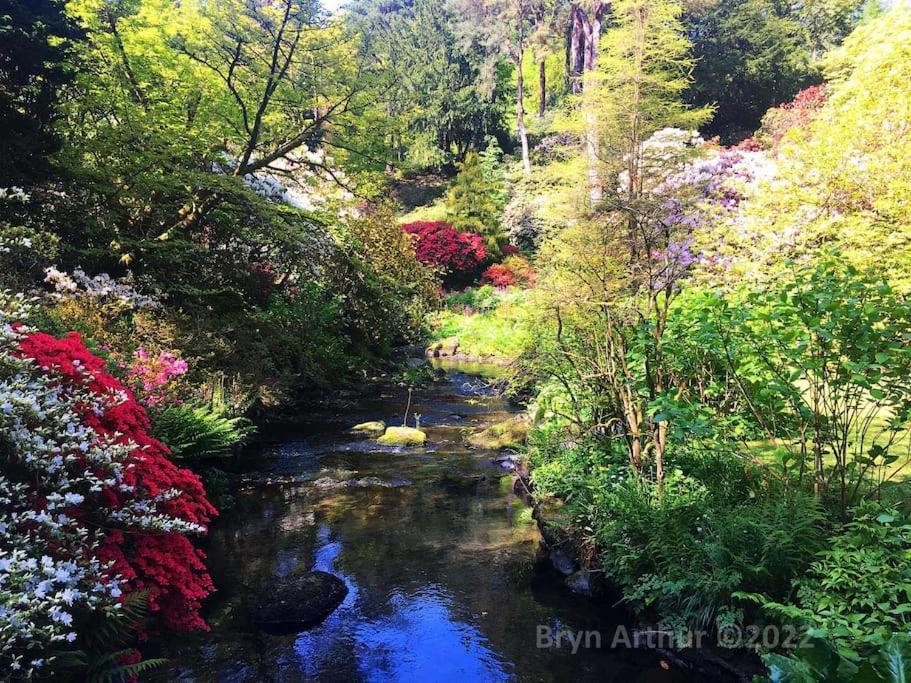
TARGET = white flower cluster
(14,194)
(102,287)
(52,470)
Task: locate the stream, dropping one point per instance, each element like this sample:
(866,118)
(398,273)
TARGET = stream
(443,563)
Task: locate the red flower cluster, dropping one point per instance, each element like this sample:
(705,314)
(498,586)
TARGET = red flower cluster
(498,275)
(165,564)
(439,244)
(797,113)
(515,270)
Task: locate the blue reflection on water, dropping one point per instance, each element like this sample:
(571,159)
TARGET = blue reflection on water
(416,639)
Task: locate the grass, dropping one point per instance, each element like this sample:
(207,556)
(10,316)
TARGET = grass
(899,471)
(487,322)
(435,211)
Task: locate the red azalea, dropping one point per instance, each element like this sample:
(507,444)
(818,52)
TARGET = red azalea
(167,565)
(498,275)
(440,245)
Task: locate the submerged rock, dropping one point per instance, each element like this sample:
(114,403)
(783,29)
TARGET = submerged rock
(374,427)
(299,603)
(581,582)
(402,436)
(327,483)
(511,433)
(562,562)
(366,482)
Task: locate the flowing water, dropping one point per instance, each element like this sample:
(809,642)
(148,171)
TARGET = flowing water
(443,563)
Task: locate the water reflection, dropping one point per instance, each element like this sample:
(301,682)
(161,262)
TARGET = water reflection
(441,572)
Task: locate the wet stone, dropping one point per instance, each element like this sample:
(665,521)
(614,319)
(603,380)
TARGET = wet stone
(299,603)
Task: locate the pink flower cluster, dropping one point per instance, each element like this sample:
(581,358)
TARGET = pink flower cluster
(150,376)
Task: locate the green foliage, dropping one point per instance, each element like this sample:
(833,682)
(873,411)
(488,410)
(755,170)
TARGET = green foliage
(855,596)
(196,432)
(816,661)
(684,550)
(487,322)
(478,299)
(474,202)
(821,363)
(102,646)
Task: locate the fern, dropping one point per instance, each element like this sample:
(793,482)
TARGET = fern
(105,639)
(198,432)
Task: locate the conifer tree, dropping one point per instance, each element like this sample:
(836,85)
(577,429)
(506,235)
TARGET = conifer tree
(473,204)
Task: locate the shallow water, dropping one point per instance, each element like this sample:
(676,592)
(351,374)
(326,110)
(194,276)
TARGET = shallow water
(444,569)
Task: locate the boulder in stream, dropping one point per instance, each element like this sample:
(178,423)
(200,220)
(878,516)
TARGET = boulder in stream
(402,436)
(299,603)
(444,348)
(511,433)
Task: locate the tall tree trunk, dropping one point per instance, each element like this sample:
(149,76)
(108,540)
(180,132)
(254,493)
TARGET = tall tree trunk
(542,88)
(576,48)
(520,110)
(590,24)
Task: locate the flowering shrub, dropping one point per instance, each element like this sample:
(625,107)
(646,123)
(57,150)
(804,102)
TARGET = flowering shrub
(798,113)
(102,287)
(694,204)
(438,244)
(151,377)
(498,275)
(513,271)
(90,505)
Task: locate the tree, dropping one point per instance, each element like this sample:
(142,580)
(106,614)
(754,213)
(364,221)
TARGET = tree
(35,39)
(474,204)
(548,17)
(584,39)
(435,102)
(753,55)
(502,28)
(611,279)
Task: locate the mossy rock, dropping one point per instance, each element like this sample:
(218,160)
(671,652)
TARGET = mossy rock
(444,348)
(375,427)
(403,436)
(511,433)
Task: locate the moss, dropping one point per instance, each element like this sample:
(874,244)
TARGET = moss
(375,427)
(511,433)
(403,436)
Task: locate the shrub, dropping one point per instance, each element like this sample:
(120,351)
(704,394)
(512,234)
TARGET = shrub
(798,113)
(439,245)
(151,376)
(499,275)
(91,506)
(513,271)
